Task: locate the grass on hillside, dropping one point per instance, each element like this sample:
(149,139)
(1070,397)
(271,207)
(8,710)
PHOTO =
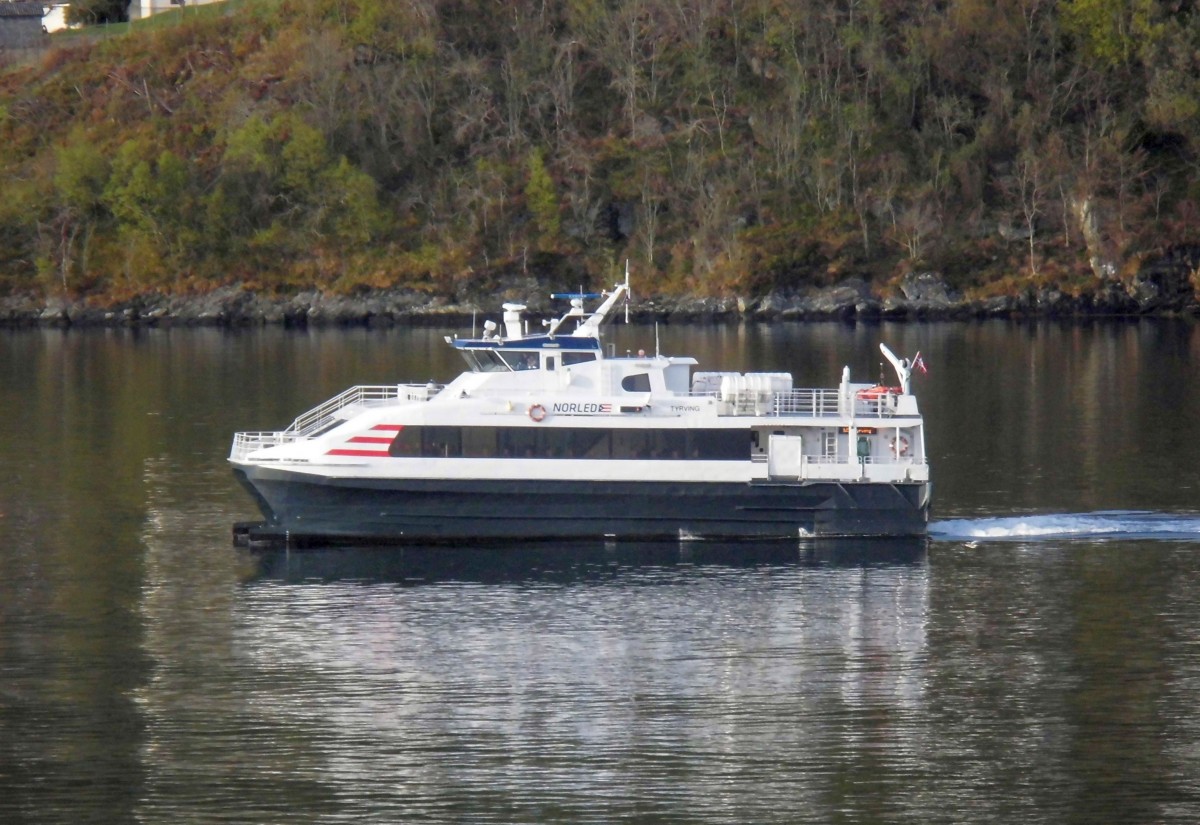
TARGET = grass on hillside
(159,20)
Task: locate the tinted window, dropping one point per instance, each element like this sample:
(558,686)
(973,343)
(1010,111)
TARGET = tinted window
(571,442)
(636,383)
(406,442)
(521,360)
(484,360)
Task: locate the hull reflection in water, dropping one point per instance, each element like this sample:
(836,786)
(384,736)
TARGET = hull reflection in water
(552,562)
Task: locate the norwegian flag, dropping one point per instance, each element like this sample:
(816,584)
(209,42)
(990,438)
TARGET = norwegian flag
(919,363)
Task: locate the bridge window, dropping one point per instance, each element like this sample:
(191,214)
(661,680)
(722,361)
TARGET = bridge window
(484,360)
(520,360)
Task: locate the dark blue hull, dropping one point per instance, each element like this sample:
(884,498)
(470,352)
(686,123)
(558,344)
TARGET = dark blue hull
(419,510)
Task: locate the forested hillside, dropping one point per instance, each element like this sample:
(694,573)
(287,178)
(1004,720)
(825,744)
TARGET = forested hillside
(723,146)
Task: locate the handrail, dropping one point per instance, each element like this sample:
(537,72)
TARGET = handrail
(823,403)
(811,403)
(364,394)
(889,460)
(316,419)
(248,442)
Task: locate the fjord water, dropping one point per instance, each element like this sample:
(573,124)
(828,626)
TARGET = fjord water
(1037,661)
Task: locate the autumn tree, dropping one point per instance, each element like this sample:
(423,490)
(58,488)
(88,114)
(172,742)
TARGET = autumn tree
(80,174)
(541,200)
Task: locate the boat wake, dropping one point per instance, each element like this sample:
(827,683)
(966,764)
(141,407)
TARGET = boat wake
(1110,524)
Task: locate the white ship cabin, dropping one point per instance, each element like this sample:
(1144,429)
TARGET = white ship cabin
(660,407)
(557,394)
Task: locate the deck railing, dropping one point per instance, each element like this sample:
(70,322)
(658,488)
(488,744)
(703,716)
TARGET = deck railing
(811,403)
(318,418)
(364,395)
(808,402)
(867,459)
(246,443)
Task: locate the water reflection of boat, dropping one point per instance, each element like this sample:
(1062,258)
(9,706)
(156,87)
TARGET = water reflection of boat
(549,436)
(563,563)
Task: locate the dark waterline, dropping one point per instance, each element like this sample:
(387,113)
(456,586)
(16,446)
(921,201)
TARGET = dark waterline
(1035,661)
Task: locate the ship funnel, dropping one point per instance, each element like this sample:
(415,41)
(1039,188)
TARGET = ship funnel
(512,321)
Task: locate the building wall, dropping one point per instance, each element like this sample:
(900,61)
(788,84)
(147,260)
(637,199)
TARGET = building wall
(21,25)
(145,8)
(56,19)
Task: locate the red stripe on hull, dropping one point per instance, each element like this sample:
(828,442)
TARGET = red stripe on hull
(361,453)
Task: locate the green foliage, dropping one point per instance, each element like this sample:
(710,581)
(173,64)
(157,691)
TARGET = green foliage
(729,147)
(150,198)
(541,199)
(80,175)
(279,188)
(350,208)
(390,31)
(1111,32)
(18,234)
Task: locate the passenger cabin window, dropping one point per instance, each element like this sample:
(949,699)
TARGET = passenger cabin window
(572,358)
(571,442)
(636,383)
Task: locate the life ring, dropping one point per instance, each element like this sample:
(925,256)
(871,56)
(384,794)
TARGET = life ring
(537,412)
(878,391)
(900,446)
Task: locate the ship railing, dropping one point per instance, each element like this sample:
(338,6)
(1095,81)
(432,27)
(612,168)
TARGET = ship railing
(364,395)
(816,403)
(763,458)
(811,403)
(820,403)
(246,443)
(868,459)
(320,418)
(866,469)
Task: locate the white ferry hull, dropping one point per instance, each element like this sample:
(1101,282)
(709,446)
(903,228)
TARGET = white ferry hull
(311,508)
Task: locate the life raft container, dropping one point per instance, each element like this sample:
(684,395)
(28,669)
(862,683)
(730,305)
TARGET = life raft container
(878,391)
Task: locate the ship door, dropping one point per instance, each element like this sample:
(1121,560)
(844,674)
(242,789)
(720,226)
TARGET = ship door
(785,456)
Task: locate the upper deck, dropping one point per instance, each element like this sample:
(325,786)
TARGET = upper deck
(560,383)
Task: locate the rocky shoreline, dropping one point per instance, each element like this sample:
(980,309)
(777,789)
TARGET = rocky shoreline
(920,297)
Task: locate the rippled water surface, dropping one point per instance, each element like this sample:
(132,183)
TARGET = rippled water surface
(1037,661)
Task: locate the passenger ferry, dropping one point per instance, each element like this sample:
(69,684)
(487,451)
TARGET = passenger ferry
(548,435)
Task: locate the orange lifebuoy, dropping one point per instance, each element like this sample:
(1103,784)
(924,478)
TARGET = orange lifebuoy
(900,446)
(537,412)
(878,391)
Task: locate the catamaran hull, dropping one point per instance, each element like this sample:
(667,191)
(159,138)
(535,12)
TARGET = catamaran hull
(304,506)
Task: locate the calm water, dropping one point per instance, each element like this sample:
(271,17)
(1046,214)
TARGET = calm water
(1038,661)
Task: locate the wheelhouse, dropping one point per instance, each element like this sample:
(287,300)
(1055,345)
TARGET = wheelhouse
(542,352)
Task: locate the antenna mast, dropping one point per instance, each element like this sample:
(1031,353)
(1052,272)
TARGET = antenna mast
(627,290)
